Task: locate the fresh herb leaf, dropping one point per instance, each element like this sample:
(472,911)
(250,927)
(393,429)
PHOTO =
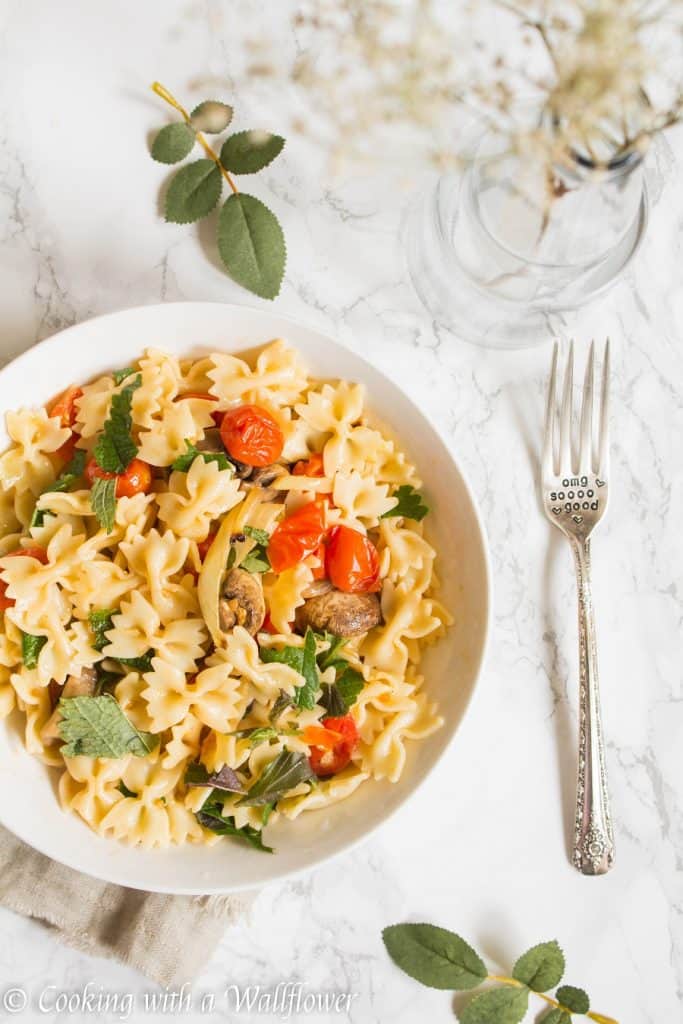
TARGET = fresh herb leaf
(211,117)
(332,701)
(173,143)
(541,967)
(193,193)
(184,461)
(210,816)
(115,448)
(256,560)
(69,475)
(302,660)
(266,813)
(97,727)
(106,681)
(256,735)
(574,999)
(329,657)
(100,623)
(284,773)
(232,555)
(409,504)
(251,245)
(120,375)
(128,793)
(497,1006)
(250,151)
(31,646)
(281,704)
(434,956)
(555,1016)
(225,779)
(141,664)
(338,697)
(103,502)
(260,536)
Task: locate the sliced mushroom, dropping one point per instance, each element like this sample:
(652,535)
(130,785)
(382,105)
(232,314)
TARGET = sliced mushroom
(262,477)
(211,442)
(75,686)
(316,589)
(340,613)
(242,602)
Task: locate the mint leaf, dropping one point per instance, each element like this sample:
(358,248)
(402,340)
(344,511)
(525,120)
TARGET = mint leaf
(555,1016)
(575,999)
(283,702)
(260,536)
(69,475)
(350,683)
(193,192)
(251,245)
(541,967)
(211,117)
(173,143)
(103,501)
(141,664)
(284,773)
(329,657)
(302,660)
(332,701)
(409,503)
(31,646)
(120,375)
(97,727)
(497,1006)
(210,816)
(184,461)
(100,623)
(225,780)
(256,560)
(115,448)
(434,956)
(250,151)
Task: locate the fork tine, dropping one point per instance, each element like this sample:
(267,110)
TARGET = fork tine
(566,467)
(586,435)
(603,447)
(548,462)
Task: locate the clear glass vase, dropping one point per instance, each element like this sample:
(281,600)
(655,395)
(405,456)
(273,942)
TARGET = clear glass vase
(496,249)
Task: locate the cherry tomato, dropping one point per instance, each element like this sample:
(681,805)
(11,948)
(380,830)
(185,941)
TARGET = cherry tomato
(66,451)
(331,754)
(251,435)
(136,479)
(217,416)
(204,545)
(352,561)
(40,554)
(65,406)
(321,571)
(297,536)
(312,466)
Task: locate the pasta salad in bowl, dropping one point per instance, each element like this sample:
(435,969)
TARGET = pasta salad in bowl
(217,582)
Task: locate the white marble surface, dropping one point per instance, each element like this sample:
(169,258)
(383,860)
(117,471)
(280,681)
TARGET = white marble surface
(483,850)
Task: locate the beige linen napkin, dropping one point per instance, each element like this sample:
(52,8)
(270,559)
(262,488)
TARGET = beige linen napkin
(168,938)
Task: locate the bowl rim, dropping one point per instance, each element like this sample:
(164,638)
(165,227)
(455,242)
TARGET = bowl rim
(478,668)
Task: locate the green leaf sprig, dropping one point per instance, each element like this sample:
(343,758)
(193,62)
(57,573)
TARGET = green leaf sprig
(97,727)
(441,959)
(302,660)
(250,239)
(184,461)
(409,503)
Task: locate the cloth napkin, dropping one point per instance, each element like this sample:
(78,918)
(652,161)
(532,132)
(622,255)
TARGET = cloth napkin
(168,938)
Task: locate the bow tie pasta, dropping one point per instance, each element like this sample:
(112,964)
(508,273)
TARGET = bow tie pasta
(215,589)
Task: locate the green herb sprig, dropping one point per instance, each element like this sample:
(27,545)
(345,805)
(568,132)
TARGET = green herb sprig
(250,239)
(441,959)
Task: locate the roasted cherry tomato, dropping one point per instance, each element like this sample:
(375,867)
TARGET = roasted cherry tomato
(352,561)
(217,416)
(321,572)
(297,536)
(40,554)
(136,479)
(66,451)
(331,753)
(65,406)
(251,435)
(204,545)
(312,466)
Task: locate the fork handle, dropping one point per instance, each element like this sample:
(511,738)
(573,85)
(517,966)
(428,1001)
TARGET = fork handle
(593,836)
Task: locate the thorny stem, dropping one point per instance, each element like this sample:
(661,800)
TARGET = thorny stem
(504,980)
(163,92)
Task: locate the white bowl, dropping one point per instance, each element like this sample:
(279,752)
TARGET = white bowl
(28,800)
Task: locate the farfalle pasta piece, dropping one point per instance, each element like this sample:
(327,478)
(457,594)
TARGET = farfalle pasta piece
(324,794)
(156,558)
(179,421)
(361,498)
(268,680)
(137,628)
(26,466)
(278,378)
(197,497)
(214,696)
(284,593)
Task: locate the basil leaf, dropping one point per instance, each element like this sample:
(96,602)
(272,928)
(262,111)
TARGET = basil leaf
(103,502)
(31,646)
(302,660)
(541,967)
(100,623)
(259,734)
(284,773)
(281,704)
(184,461)
(260,536)
(338,697)
(97,727)
(434,956)
(115,448)
(210,816)
(333,701)
(225,779)
(409,503)
(141,664)
(329,657)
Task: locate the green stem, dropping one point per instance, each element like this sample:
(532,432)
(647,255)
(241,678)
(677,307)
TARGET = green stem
(518,984)
(169,98)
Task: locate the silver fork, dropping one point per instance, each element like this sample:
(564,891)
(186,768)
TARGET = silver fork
(575,495)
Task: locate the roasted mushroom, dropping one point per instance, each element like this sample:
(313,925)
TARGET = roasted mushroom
(263,477)
(242,602)
(83,685)
(339,613)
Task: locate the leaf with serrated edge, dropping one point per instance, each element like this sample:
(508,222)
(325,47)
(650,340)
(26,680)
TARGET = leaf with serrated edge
(541,967)
(97,727)
(497,1006)
(251,245)
(285,772)
(434,956)
(575,999)
(211,117)
(555,1016)
(103,502)
(173,143)
(193,192)
(250,151)
(115,448)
